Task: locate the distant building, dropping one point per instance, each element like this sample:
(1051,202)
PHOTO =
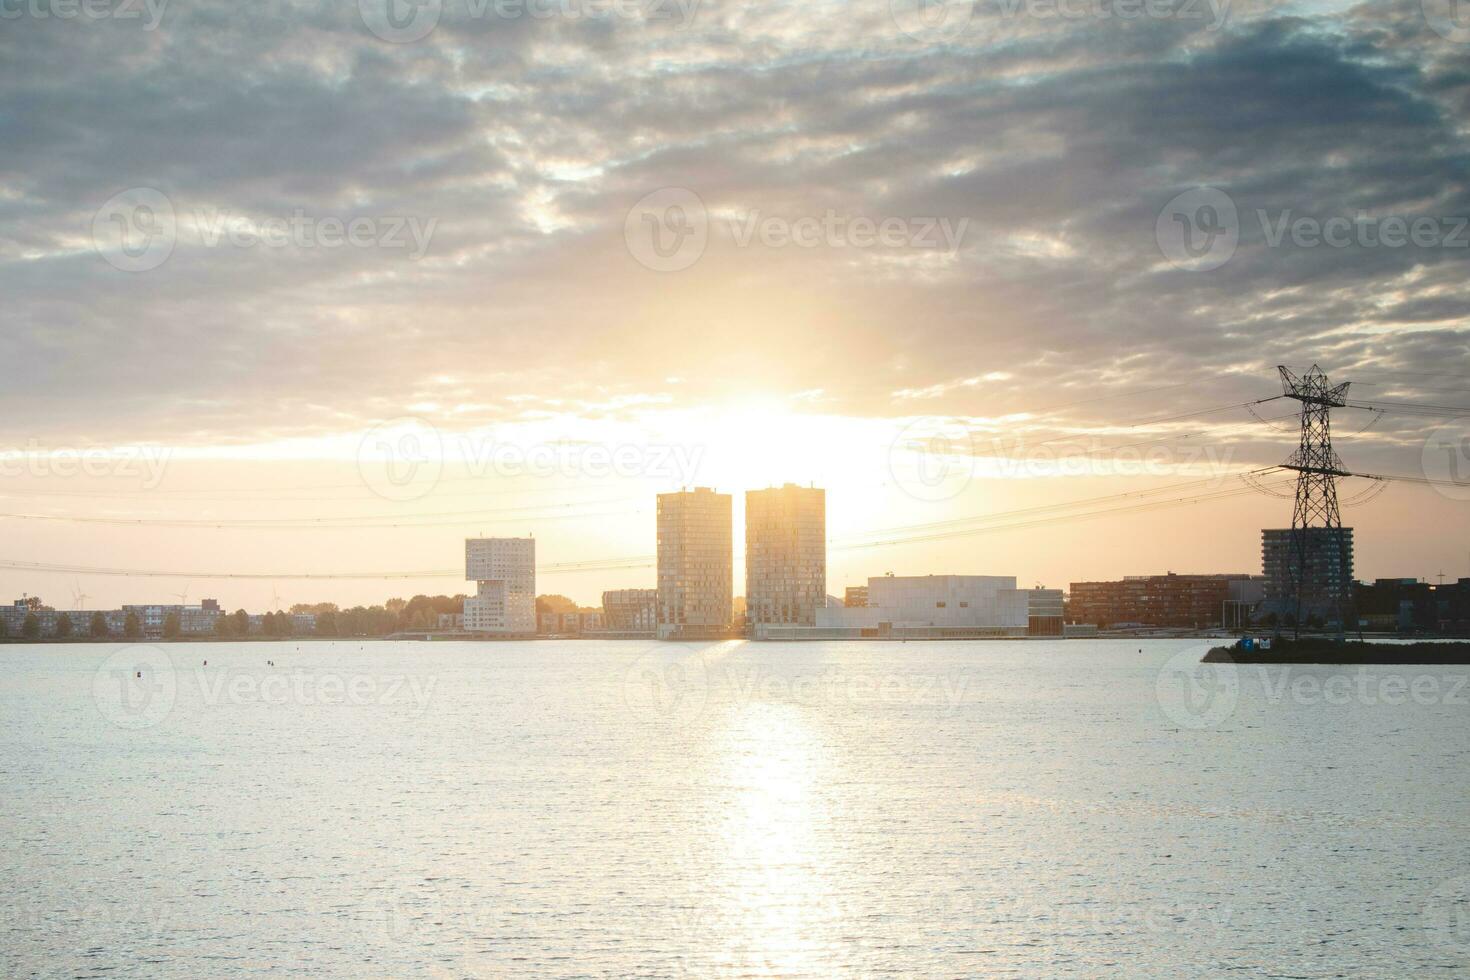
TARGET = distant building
(1327,585)
(785,555)
(193,620)
(1044,612)
(1169,601)
(451,621)
(695,572)
(1407,605)
(504,573)
(630,610)
(856,596)
(923,607)
(569,623)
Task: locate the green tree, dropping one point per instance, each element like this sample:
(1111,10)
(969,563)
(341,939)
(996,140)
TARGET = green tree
(132,627)
(98,629)
(172,627)
(63,627)
(241,625)
(554,604)
(31,628)
(326,622)
(224,625)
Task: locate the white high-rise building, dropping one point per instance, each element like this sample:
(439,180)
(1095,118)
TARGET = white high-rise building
(504,573)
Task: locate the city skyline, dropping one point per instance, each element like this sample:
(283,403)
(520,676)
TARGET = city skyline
(981,233)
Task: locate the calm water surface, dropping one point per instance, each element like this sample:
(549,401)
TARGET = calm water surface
(825,809)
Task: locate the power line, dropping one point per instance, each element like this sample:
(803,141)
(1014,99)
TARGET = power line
(631,562)
(344,522)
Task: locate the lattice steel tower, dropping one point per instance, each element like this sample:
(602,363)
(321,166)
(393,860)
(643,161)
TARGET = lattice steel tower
(1317,467)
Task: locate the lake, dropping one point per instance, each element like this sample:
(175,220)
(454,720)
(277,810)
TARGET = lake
(1011,808)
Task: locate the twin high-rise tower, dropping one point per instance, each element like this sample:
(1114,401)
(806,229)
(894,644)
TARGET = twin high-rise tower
(785,559)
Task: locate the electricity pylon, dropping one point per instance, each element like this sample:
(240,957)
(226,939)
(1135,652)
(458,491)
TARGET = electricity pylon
(1317,467)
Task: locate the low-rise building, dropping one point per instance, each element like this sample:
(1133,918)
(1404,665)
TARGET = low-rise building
(923,607)
(630,610)
(1168,601)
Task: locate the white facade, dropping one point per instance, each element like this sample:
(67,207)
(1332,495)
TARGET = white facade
(936,601)
(504,571)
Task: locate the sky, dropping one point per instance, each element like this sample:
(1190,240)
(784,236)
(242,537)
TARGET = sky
(300,288)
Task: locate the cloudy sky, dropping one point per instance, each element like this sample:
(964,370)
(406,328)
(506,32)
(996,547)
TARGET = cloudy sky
(949,261)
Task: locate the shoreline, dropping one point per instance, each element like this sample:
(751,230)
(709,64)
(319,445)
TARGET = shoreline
(1351,653)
